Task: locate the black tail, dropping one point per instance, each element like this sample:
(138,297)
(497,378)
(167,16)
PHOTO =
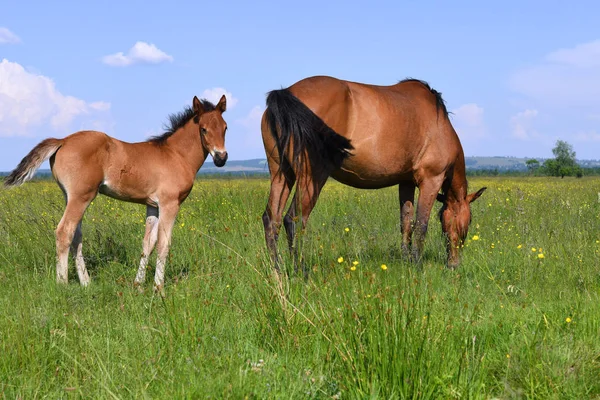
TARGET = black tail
(292,122)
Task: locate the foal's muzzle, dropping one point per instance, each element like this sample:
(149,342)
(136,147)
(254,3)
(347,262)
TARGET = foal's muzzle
(220,158)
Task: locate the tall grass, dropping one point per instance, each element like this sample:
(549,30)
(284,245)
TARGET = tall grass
(511,322)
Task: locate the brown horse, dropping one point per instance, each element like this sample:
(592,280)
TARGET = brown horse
(368,137)
(158,173)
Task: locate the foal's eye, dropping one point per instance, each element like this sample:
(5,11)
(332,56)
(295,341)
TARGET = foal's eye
(203,131)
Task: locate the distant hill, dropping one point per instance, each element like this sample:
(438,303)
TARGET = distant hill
(258,166)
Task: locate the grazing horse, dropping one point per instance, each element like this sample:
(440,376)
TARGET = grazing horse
(158,173)
(368,137)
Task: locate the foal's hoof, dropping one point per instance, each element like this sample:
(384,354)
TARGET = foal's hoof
(160,290)
(139,287)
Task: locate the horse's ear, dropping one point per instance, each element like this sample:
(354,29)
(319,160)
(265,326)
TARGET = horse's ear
(197,106)
(441,197)
(474,196)
(222,106)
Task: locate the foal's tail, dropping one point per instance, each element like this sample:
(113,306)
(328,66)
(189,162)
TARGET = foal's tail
(32,161)
(293,124)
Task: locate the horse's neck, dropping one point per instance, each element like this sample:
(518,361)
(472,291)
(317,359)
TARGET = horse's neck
(186,142)
(458,188)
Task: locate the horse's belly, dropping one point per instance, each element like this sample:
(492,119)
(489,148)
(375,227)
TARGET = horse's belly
(370,178)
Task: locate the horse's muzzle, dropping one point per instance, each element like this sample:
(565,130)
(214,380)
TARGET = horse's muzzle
(220,158)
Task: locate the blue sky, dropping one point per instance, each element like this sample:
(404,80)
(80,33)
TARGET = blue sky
(517,75)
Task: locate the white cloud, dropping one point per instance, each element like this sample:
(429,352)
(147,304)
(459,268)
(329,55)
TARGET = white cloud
(590,136)
(100,106)
(468,121)
(29,101)
(246,139)
(6,36)
(522,124)
(252,120)
(214,95)
(565,78)
(586,55)
(140,53)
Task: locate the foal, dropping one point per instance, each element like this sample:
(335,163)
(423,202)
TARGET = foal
(158,173)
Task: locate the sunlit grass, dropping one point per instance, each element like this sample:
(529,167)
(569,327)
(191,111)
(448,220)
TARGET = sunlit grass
(519,318)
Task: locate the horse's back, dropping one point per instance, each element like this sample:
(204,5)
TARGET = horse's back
(399,132)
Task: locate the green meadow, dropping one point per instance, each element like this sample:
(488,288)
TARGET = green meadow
(520,318)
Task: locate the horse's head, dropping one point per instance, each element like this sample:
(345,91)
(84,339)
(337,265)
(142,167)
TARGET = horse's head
(455,217)
(212,128)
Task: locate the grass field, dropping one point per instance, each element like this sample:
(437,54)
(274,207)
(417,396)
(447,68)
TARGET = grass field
(519,319)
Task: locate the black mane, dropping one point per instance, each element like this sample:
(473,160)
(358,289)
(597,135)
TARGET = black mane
(440,103)
(178,120)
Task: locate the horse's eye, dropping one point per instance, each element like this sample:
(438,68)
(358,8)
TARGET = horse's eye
(203,131)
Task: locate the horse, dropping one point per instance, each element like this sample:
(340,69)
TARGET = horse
(158,173)
(368,137)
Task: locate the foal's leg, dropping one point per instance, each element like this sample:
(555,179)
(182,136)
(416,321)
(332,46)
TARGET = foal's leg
(150,237)
(278,196)
(76,249)
(65,232)
(428,191)
(166,219)
(407,199)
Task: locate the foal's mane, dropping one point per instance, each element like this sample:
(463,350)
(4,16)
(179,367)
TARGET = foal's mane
(440,103)
(178,120)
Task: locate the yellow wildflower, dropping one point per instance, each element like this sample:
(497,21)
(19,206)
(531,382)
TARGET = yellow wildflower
(533,249)
(353,268)
(476,237)
(347,229)
(568,320)
(340,259)
(354,262)
(383,267)
(519,246)
(541,255)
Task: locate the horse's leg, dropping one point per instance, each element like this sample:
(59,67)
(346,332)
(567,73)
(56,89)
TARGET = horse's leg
(428,191)
(166,219)
(407,199)
(289,222)
(150,237)
(309,194)
(76,249)
(278,196)
(65,232)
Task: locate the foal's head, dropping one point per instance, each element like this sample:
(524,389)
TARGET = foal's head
(212,128)
(455,217)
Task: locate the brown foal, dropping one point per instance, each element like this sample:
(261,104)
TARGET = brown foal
(158,173)
(368,137)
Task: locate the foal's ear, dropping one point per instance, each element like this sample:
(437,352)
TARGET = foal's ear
(441,197)
(222,105)
(474,196)
(197,106)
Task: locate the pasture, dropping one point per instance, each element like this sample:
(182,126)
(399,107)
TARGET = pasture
(519,318)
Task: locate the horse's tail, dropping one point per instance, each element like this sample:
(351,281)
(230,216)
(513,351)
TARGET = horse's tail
(293,124)
(32,162)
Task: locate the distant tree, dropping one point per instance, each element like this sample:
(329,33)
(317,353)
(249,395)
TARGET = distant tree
(550,167)
(532,164)
(564,163)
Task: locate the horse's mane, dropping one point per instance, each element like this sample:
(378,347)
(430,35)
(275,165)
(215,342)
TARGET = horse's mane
(440,103)
(178,120)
